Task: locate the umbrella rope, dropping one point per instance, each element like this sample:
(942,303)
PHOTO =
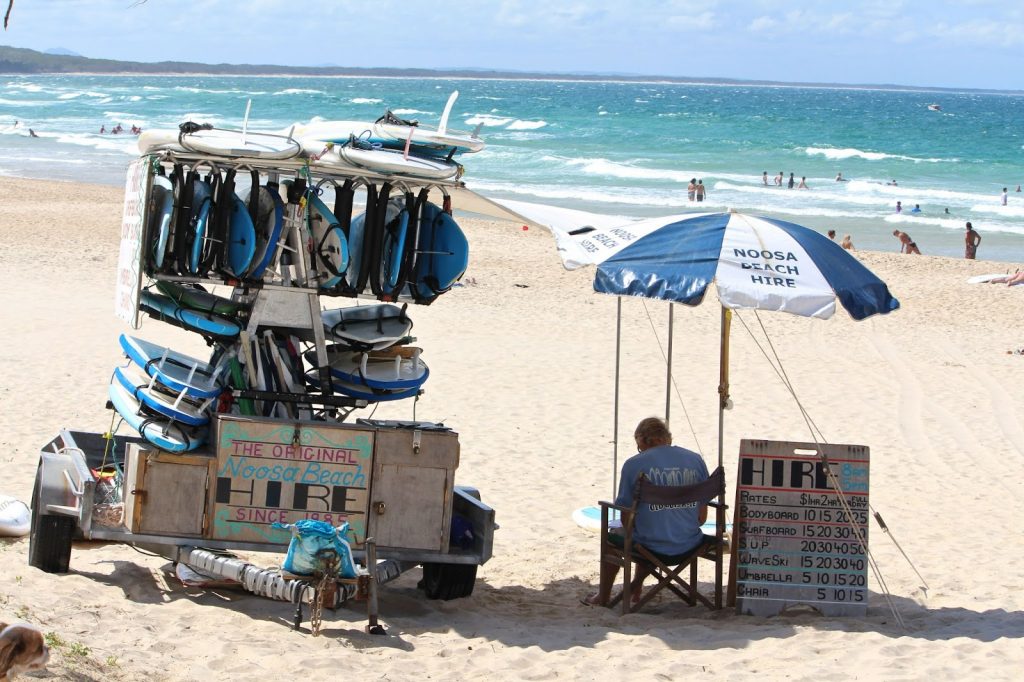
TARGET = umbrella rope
(780,371)
(679,396)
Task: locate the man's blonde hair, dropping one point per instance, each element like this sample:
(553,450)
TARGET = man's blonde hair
(652,430)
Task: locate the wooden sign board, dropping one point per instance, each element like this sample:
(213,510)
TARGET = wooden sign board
(793,542)
(278,471)
(133,228)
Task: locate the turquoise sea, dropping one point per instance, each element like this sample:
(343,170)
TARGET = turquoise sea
(611,147)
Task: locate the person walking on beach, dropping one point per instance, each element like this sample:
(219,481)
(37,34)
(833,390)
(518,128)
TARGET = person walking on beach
(907,245)
(691,189)
(700,190)
(971,241)
(764,178)
(792,181)
(1005,196)
(778,179)
(803,183)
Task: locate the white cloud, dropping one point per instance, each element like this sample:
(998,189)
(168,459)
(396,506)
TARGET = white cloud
(762,24)
(981,32)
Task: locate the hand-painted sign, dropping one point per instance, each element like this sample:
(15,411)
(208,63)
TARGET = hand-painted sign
(795,542)
(129,260)
(277,471)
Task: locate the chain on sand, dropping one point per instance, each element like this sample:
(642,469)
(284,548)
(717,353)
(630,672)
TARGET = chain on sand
(317,609)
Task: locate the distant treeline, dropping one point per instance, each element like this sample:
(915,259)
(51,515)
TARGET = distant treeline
(17,60)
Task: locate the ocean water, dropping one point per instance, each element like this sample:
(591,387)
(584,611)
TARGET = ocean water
(617,148)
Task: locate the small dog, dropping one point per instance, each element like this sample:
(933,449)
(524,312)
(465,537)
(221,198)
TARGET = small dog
(22,648)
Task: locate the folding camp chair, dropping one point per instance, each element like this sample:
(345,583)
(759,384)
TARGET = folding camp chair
(666,569)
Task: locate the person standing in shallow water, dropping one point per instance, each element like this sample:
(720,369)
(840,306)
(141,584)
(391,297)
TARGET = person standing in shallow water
(971,241)
(700,190)
(764,178)
(691,189)
(792,181)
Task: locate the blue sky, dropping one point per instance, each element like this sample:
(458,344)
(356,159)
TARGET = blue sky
(968,43)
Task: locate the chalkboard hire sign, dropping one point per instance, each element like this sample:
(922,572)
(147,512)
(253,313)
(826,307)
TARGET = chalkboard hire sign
(793,541)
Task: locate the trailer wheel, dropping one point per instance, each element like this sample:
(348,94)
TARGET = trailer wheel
(49,543)
(448,581)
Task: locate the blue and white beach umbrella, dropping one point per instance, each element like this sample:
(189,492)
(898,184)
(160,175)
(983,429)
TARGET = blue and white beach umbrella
(755,262)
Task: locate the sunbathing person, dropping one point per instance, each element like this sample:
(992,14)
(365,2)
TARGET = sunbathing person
(671,530)
(1009,280)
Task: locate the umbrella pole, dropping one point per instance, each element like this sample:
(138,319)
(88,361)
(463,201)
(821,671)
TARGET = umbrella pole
(668,374)
(723,401)
(615,425)
(723,379)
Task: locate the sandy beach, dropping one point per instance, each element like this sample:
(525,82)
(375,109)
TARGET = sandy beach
(522,362)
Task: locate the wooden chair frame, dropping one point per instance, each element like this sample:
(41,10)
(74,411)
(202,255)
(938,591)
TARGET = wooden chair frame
(667,576)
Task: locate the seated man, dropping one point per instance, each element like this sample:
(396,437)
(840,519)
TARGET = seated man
(663,530)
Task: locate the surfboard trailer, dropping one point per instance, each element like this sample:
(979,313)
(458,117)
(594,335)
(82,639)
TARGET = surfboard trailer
(392,482)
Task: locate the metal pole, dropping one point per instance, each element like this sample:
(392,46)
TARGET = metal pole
(668,374)
(615,425)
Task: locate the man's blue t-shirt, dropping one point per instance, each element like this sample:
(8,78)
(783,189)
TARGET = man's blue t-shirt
(666,530)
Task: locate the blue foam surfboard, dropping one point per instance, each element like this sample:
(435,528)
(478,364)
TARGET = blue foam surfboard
(241,238)
(442,253)
(273,234)
(393,248)
(173,369)
(362,392)
(185,412)
(329,242)
(202,202)
(190,319)
(160,432)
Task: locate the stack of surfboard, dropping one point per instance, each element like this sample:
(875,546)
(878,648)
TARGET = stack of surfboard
(168,396)
(200,227)
(401,246)
(371,358)
(388,146)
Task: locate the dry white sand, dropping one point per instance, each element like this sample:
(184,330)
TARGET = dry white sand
(524,373)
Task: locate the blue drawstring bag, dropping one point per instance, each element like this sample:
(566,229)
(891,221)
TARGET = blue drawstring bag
(317,547)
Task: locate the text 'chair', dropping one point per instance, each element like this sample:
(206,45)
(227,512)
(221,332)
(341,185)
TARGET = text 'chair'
(666,569)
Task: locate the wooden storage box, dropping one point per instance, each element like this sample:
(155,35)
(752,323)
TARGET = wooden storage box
(411,494)
(165,493)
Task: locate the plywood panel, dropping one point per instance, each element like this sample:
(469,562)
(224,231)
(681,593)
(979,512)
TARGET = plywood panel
(409,507)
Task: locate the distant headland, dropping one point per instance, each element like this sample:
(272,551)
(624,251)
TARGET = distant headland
(23,61)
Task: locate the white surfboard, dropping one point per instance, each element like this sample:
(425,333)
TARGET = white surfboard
(367,327)
(984,279)
(218,142)
(161,210)
(589,518)
(15,517)
(388,371)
